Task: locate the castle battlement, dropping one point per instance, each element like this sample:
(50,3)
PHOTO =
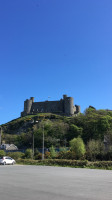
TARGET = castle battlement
(63,106)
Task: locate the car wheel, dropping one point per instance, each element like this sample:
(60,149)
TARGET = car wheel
(12,163)
(4,163)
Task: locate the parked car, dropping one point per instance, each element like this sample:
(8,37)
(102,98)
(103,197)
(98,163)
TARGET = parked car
(5,160)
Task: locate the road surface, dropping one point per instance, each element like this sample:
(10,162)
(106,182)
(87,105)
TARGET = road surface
(54,183)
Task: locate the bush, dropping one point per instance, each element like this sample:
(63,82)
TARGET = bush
(77,145)
(107,155)
(95,150)
(16,155)
(47,155)
(101,164)
(2,153)
(28,153)
(38,156)
(67,155)
(53,153)
(36,152)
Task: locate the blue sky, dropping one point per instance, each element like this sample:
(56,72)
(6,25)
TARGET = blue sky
(55,47)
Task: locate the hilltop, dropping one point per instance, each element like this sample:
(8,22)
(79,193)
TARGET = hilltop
(59,130)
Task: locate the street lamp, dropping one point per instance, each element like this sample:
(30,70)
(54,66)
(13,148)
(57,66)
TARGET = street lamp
(33,146)
(43,144)
(34,122)
(0,136)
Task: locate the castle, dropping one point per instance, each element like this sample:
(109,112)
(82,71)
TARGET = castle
(64,106)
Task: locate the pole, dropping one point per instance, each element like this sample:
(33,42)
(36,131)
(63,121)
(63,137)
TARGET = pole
(0,136)
(33,147)
(43,145)
(33,138)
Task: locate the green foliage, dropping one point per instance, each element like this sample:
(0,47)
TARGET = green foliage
(107,155)
(77,145)
(55,162)
(38,156)
(28,153)
(2,153)
(59,130)
(63,149)
(95,148)
(53,153)
(9,138)
(47,155)
(70,155)
(101,164)
(68,163)
(16,155)
(74,131)
(54,133)
(24,140)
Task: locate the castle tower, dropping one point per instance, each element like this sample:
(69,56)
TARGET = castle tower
(32,98)
(68,105)
(77,109)
(28,105)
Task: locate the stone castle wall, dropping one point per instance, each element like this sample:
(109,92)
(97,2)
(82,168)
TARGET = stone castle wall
(65,106)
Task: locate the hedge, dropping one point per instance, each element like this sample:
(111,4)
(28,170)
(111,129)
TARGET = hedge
(100,164)
(69,163)
(50,162)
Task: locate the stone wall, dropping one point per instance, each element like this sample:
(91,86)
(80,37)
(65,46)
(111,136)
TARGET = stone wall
(65,106)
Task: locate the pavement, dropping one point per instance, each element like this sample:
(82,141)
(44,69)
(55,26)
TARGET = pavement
(54,183)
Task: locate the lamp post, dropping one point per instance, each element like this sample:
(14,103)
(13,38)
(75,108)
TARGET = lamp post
(0,136)
(33,147)
(43,144)
(33,140)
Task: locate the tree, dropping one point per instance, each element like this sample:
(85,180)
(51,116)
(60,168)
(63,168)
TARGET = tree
(74,131)
(77,145)
(94,148)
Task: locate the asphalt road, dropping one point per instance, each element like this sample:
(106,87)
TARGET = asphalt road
(54,183)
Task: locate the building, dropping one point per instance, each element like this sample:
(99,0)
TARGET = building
(64,106)
(8,147)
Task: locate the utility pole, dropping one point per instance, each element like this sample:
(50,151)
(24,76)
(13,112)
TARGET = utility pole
(33,139)
(43,144)
(33,147)
(0,136)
